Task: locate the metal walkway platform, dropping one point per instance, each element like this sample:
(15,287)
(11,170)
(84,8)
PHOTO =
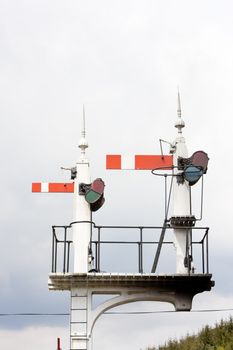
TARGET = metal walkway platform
(176,289)
(198,283)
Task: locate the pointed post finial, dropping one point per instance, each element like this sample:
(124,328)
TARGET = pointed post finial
(83,144)
(84,122)
(178,105)
(180,124)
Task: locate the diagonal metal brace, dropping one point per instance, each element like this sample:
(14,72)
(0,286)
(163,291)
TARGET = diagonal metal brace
(161,239)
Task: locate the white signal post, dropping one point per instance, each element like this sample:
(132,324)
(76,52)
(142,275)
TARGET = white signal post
(81,230)
(82,212)
(181,191)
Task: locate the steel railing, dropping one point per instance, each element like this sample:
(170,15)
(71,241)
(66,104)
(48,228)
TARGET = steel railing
(62,244)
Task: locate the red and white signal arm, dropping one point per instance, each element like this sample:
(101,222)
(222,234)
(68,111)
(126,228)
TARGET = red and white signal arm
(138,162)
(53,187)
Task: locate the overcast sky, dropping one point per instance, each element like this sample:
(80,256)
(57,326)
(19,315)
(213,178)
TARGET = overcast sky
(124,61)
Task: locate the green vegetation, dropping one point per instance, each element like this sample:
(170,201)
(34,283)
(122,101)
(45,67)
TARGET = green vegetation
(218,338)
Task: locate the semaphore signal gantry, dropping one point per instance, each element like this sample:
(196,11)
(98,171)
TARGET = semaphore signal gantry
(83,242)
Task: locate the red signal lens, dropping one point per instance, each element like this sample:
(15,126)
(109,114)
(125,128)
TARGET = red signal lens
(98,185)
(95,194)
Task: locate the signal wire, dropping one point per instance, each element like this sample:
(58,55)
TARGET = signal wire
(114,312)
(161,312)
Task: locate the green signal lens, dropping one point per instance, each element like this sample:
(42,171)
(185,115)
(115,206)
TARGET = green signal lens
(92,196)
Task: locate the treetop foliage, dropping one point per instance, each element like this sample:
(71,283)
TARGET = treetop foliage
(219,337)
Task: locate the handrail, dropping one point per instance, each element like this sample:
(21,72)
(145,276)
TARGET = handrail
(141,242)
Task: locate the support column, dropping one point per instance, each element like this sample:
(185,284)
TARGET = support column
(82,212)
(181,194)
(181,208)
(79,310)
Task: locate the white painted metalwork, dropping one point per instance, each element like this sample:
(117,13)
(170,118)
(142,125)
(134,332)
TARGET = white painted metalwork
(181,193)
(83,284)
(127,161)
(44,187)
(82,212)
(81,239)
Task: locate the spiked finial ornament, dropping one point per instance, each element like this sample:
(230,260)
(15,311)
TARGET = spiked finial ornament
(83,144)
(179,124)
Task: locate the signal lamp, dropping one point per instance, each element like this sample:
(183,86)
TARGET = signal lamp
(193,167)
(95,194)
(192,174)
(200,159)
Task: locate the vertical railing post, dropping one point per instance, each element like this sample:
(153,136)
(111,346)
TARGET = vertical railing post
(188,254)
(64,261)
(165,183)
(203,256)
(140,254)
(191,243)
(207,250)
(98,255)
(53,238)
(55,260)
(68,257)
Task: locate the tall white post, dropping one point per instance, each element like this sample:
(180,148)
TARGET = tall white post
(82,212)
(81,231)
(80,302)
(181,194)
